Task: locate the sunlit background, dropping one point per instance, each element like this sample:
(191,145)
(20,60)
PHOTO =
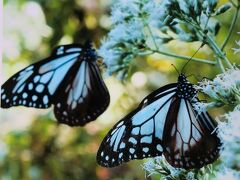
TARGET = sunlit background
(32,144)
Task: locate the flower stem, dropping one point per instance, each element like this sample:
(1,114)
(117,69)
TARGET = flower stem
(211,43)
(219,61)
(151,34)
(182,57)
(231,27)
(218,51)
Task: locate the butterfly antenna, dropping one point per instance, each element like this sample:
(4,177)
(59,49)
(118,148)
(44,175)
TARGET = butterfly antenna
(175,68)
(192,57)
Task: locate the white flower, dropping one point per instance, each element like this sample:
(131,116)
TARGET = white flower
(124,10)
(120,47)
(229,133)
(158,12)
(150,167)
(224,87)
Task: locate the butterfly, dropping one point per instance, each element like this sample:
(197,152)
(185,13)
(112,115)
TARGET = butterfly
(164,123)
(69,79)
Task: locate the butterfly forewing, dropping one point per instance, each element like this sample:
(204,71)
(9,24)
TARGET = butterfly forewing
(138,135)
(35,85)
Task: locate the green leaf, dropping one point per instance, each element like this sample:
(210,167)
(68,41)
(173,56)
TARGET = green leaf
(222,9)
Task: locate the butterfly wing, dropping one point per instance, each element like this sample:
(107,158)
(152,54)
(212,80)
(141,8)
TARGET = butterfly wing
(69,79)
(139,134)
(35,85)
(82,96)
(189,139)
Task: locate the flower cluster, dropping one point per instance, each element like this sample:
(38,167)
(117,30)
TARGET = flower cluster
(160,166)
(224,89)
(229,132)
(142,26)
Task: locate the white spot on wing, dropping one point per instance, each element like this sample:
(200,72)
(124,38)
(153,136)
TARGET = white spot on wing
(45,99)
(30,86)
(132,140)
(145,149)
(122,145)
(131,150)
(146,139)
(3,96)
(159,148)
(40,88)
(36,79)
(34,97)
(24,95)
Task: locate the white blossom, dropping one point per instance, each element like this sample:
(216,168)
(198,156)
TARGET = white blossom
(229,133)
(224,87)
(120,47)
(158,12)
(123,10)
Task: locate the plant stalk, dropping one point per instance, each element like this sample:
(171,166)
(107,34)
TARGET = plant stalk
(182,57)
(231,28)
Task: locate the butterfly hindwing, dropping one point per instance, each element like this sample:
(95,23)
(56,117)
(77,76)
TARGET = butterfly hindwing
(139,134)
(187,142)
(84,99)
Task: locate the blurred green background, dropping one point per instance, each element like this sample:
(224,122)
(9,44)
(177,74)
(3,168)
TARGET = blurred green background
(32,144)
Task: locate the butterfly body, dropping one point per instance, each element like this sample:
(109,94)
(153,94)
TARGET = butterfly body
(165,123)
(69,79)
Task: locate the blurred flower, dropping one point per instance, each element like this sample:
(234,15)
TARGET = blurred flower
(139,79)
(27,29)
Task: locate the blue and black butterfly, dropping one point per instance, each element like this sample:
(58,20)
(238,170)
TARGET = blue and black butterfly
(165,123)
(69,79)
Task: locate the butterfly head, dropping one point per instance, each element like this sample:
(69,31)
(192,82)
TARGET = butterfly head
(89,52)
(185,88)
